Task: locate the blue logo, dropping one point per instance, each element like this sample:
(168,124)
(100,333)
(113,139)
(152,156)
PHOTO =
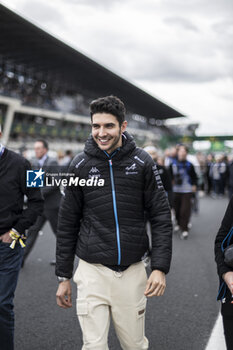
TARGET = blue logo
(35,178)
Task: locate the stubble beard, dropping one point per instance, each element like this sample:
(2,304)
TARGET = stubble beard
(113,146)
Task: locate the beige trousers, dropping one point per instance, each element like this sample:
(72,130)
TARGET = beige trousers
(104,294)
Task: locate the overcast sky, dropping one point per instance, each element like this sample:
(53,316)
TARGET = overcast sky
(179,51)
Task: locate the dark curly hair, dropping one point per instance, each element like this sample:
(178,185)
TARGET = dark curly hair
(109,104)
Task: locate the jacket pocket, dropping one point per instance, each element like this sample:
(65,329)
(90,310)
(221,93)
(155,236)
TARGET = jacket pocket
(141,310)
(140,321)
(82,313)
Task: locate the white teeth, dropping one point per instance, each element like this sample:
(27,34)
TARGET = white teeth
(103,141)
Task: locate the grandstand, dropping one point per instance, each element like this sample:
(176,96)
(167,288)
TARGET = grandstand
(46,87)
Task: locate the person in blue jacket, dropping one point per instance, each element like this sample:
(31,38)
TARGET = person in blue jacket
(184,185)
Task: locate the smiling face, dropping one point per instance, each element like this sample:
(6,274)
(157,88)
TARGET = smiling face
(107,132)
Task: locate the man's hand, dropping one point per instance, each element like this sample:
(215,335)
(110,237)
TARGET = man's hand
(156,284)
(63,295)
(6,238)
(228,278)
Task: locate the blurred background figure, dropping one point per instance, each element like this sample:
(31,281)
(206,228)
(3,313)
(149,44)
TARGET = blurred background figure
(184,185)
(170,155)
(224,174)
(215,176)
(230,178)
(66,160)
(51,196)
(23,152)
(208,179)
(60,156)
(201,161)
(218,173)
(195,160)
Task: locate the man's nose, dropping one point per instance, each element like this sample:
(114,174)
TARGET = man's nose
(102,132)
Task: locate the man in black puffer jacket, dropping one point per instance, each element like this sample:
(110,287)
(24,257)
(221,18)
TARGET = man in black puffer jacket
(14,220)
(105,226)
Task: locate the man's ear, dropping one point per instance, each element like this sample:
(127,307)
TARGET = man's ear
(124,126)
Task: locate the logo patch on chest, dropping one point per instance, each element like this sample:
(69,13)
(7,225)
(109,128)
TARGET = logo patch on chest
(94,172)
(131,170)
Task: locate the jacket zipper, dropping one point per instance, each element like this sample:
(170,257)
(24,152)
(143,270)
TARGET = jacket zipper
(115,211)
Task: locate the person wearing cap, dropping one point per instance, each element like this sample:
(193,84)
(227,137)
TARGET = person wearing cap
(14,220)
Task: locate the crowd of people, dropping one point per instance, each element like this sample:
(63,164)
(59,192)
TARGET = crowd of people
(214,171)
(41,93)
(183,177)
(187,176)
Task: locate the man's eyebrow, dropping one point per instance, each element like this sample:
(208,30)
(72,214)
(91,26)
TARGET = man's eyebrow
(107,124)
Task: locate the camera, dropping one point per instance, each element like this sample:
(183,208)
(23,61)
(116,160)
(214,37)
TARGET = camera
(178,179)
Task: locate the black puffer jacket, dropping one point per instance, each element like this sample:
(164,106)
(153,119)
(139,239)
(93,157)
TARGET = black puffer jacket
(226,225)
(106,224)
(13,175)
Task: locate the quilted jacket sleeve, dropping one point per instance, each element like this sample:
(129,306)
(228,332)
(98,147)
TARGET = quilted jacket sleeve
(69,218)
(158,210)
(225,227)
(34,200)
